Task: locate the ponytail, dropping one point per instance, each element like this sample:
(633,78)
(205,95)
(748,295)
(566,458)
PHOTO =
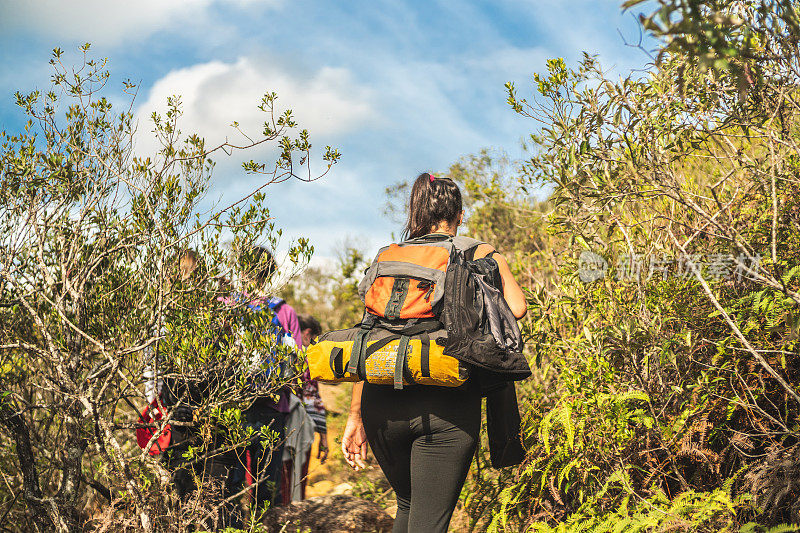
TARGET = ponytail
(433,200)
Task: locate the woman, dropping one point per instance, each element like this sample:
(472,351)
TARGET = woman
(259,465)
(424,437)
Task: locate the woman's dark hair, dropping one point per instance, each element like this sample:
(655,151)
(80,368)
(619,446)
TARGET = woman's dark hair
(309,322)
(433,200)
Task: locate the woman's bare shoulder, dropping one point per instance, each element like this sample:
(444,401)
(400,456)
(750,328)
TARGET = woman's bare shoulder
(483,249)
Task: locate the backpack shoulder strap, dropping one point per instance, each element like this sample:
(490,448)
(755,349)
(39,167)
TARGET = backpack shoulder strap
(273,304)
(430,237)
(487,256)
(467,246)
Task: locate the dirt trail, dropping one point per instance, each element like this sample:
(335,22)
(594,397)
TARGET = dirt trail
(324,478)
(335,476)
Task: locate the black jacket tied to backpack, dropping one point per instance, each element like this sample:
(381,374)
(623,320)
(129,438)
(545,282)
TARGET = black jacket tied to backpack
(481,329)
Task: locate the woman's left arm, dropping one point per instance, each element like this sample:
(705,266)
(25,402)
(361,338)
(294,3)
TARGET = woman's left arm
(511,289)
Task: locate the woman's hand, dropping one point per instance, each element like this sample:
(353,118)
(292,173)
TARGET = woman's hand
(354,442)
(322,451)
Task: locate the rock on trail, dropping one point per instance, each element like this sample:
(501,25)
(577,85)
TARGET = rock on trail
(329,514)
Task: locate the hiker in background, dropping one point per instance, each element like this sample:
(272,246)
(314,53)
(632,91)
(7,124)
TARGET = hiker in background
(182,436)
(181,394)
(295,464)
(270,410)
(188,261)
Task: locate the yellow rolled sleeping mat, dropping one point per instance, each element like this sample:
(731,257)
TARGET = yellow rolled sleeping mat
(331,359)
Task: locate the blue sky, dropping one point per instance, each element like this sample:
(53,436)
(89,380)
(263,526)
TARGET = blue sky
(397,87)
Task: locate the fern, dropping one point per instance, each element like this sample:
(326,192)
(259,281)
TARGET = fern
(784,528)
(705,511)
(544,430)
(565,417)
(752,527)
(791,274)
(564,473)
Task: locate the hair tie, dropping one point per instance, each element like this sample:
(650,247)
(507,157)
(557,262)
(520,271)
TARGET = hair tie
(432,177)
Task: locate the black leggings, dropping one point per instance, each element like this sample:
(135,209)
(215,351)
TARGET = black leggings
(424,439)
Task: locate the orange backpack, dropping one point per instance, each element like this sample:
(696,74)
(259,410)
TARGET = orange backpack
(406,280)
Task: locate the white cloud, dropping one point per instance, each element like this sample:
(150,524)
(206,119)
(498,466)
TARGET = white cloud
(328,102)
(213,95)
(105,22)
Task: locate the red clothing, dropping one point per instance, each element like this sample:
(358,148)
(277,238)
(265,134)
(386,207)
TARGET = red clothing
(286,480)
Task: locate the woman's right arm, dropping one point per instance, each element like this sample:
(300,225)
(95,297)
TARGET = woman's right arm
(354,439)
